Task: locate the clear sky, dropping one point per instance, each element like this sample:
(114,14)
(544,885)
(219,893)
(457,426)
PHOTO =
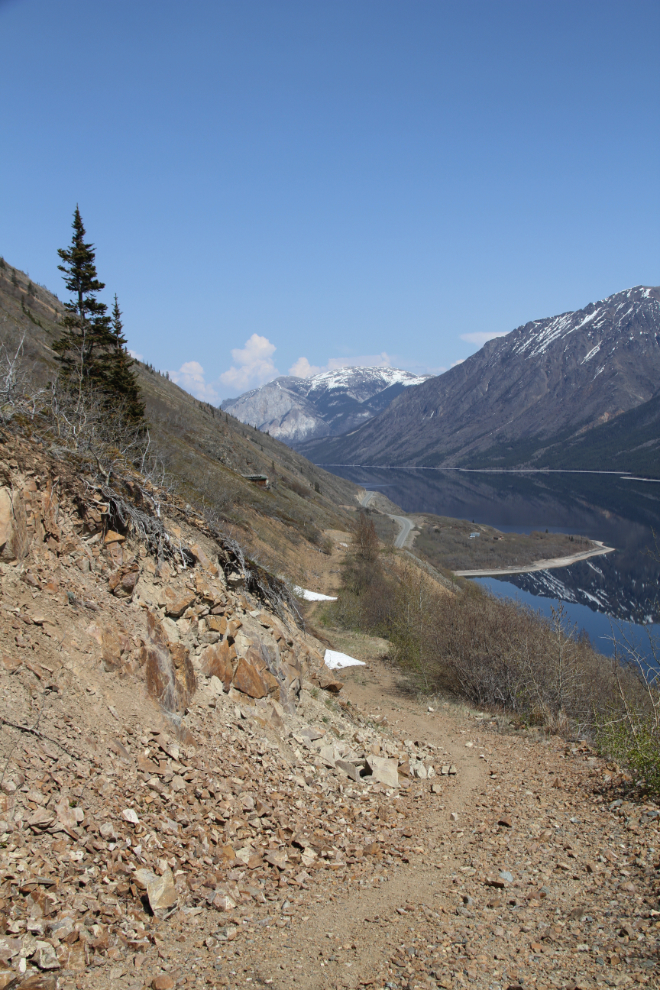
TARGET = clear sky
(277,184)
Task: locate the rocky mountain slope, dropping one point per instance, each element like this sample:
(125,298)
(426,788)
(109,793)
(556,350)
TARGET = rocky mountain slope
(530,398)
(189,799)
(204,452)
(298,409)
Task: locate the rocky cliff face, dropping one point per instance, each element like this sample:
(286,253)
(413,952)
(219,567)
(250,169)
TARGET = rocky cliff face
(545,383)
(298,409)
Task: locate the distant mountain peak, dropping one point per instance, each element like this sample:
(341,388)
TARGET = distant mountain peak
(332,402)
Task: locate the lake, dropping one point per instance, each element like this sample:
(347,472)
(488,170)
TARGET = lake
(616,594)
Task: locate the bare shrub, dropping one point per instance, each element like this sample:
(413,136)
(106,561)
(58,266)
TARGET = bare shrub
(81,422)
(19,395)
(365,540)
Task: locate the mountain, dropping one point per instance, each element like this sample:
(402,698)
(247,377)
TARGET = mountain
(298,409)
(540,396)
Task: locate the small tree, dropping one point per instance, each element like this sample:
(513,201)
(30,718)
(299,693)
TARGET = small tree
(120,378)
(365,539)
(86,326)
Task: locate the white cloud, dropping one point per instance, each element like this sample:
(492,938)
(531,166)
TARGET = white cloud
(481,337)
(303,369)
(253,364)
(190,377)
(136,356)
(460,361)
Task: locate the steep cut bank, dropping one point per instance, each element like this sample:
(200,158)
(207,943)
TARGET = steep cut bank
(541,396)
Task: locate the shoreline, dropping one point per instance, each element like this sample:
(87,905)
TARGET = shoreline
(624,475)
(551,563)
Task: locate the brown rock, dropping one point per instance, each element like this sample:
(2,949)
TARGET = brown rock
(170,675)
(50,514)
(163,982)
(176,601)
(113,641)
(221,902)
(249,681)
(14,536)
(329,683)
(276,857)
(112,537)
(122,583)
(218,661)
(216,623)
(6,517)
(160,890)
(233,627)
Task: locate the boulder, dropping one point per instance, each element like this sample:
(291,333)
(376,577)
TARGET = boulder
(170,675)
(218,661)
(216,623)
(112,537)
(14,536)
(383,770)
(329,683)
(160,890)
(177,601)
(249,681)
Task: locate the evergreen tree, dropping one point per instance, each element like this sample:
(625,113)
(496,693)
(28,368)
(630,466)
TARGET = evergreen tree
(92,346)
(86,326)
(121,379)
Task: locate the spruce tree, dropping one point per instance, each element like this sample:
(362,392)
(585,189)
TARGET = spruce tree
(92,347)
(86,326)
(121,379)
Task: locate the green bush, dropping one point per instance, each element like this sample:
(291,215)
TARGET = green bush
(632,739)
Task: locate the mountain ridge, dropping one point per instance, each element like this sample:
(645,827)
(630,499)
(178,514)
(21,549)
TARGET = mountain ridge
(549,382)
(299,409)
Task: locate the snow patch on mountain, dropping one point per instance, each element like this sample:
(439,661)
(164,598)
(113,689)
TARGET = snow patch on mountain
(332,402)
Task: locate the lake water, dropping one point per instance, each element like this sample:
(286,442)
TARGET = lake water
(614,595)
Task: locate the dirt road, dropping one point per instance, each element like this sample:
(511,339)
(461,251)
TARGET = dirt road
(515,874)
(405,525)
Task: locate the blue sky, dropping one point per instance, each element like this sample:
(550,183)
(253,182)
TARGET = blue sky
(282,184)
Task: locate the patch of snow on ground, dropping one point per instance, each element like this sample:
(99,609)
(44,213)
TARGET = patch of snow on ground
(336,661)
(312,596)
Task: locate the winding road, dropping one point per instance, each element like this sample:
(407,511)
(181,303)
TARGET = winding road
(405,523)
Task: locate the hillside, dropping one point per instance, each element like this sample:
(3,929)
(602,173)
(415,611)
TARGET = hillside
(541,396)
(333,402)
(206,452)
(189,799)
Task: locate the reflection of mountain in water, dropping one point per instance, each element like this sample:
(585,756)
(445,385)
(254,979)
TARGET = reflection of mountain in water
(621,513)
(602,585)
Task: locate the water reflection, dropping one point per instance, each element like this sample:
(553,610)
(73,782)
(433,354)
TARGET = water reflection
(624,513)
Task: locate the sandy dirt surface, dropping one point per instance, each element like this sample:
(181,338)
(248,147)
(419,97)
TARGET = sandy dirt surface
(515,874)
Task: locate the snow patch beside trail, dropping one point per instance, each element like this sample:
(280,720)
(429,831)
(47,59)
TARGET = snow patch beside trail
(336,661)
(312,596)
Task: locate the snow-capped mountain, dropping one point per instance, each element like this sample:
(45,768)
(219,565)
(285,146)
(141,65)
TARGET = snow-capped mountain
(531,397)
(297,409)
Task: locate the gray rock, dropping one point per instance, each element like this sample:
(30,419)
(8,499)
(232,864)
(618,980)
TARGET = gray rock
(383,770)
(44,956)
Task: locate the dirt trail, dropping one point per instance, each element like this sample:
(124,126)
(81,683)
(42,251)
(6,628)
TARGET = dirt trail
(446,918)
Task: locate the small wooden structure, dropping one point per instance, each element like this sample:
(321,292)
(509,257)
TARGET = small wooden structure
(258,479)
